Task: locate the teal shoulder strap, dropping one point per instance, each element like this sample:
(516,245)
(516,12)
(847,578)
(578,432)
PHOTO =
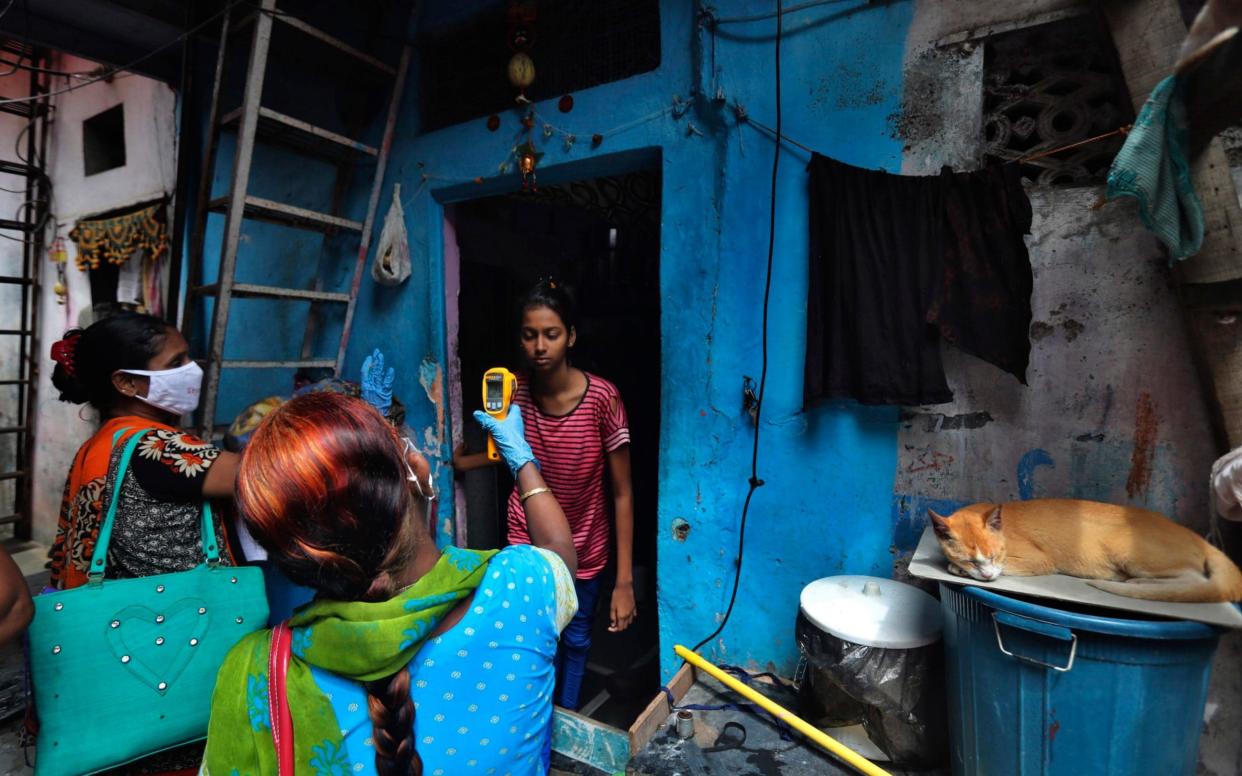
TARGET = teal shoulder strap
(211,551)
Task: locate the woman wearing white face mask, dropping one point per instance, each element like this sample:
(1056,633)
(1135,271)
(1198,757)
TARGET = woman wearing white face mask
(135,370)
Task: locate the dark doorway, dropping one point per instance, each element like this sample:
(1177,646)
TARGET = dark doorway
(602,237)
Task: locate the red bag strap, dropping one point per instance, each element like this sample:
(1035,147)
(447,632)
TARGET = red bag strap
(278,700)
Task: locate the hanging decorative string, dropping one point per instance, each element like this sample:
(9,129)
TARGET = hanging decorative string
(677,109)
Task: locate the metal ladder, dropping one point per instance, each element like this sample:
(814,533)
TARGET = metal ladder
(29,222)
(252,121)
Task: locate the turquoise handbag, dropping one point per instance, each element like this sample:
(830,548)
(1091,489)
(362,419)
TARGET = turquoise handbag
(125,668)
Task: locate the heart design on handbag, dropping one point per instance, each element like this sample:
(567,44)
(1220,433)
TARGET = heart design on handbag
(156,646)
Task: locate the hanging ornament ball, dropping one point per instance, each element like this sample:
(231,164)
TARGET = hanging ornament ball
(566,103)
(521,70)
(493,122)
(527,164)
(596,139)
(59,289)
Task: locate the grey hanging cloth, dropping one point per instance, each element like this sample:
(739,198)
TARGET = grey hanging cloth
(876,261)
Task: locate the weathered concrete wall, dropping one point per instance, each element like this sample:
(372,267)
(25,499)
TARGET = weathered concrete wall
(1114,410)
(1096,421)
(149,172)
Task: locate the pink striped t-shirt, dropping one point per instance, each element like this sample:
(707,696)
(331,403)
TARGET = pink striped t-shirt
(572,451)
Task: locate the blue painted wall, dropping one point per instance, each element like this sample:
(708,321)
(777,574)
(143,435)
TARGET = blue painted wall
(826,507)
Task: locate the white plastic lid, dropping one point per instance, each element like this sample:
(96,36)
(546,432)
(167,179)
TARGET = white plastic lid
(872,611)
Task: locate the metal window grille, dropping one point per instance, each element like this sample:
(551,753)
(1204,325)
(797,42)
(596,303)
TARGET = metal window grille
(1049,86)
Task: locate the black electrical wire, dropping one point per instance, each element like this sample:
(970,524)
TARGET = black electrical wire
(115,72)
(779,12)
(754,482)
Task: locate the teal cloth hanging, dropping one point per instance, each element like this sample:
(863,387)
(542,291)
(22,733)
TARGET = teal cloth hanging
(1152,167)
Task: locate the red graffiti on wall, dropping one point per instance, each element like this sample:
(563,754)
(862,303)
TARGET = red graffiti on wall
(1146,426)
(930,460)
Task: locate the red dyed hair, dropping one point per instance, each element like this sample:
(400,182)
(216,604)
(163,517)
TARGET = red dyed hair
(323,488)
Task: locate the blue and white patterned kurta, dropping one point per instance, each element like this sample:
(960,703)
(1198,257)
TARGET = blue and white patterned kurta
(483,689)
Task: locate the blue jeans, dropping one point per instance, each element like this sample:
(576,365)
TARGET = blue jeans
(571,655)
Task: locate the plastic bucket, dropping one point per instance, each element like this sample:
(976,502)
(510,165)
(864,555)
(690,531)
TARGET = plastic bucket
(1037,690)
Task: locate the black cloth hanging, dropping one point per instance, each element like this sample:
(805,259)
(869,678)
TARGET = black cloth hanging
(875,268)
(896,263)
(984,304)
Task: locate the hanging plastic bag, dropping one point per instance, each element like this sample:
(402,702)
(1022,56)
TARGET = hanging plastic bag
(392,255)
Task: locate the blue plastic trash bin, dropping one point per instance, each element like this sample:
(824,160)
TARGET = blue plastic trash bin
(1037,690)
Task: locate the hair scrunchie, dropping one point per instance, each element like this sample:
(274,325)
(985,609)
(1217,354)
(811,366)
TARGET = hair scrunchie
(64,352)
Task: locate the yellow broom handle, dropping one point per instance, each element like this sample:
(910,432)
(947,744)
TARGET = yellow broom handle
(825,742)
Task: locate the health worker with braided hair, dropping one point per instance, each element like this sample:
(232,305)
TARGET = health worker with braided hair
(409,660)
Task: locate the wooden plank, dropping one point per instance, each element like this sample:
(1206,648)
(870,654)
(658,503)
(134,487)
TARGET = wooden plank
(656,714)
(335,43)
(235,205)
(248,290)
(287,215)
(275,127)
(377,183)
(587,741)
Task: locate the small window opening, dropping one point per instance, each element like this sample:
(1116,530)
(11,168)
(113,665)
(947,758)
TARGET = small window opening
(1046,89)
(103,141)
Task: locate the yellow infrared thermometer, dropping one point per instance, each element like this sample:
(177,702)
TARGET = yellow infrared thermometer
(499,385)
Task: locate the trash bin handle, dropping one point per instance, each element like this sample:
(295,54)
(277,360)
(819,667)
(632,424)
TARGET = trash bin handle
(1038,627)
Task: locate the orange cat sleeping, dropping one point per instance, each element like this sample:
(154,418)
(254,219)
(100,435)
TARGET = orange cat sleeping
(1124,550)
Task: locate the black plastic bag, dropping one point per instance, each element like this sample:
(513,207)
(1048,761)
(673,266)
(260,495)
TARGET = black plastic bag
(896,694)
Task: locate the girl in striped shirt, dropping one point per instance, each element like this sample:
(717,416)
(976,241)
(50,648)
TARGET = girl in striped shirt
(577,428)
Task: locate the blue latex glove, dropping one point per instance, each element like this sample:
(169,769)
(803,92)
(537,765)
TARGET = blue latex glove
(376,385)
(510,436)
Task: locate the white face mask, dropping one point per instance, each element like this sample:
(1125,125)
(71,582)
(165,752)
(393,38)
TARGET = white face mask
(172,390)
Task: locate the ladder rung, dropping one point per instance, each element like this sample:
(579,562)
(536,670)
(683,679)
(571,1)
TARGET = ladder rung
(16,382)
(6,519)
(273,292)
(13,429)
(16,332)
(16,168)
(297,134)
(24,109)
(14,281)
(17,475)
(16,226)
(288,215)
(297,364)
(336,43)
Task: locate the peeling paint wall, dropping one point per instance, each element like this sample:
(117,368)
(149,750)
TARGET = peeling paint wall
(149,172)
(1114,410)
